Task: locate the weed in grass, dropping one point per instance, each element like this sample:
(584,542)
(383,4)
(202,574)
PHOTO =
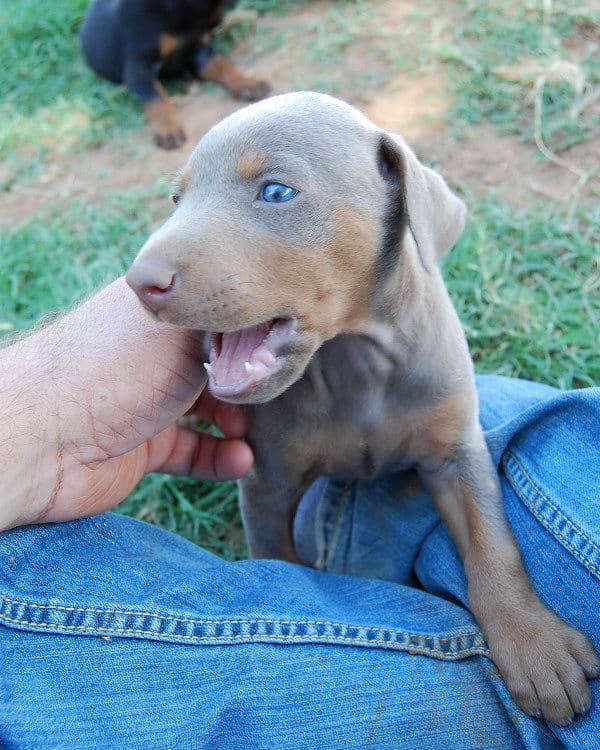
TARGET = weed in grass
(493,50)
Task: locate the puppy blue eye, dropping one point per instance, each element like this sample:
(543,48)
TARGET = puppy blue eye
(275,192)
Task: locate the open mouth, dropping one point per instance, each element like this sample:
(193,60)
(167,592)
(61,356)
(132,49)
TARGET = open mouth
(241,359)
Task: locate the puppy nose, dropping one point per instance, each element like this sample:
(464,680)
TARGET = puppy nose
(153,281)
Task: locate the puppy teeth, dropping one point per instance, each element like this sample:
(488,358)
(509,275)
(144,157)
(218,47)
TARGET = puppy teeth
(208,367)
(248,366)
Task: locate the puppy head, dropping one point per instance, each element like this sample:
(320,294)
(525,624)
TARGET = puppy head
(288,215)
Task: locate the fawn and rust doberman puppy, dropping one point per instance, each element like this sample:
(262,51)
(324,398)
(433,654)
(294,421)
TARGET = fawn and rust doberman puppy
(306,240)
(136,42)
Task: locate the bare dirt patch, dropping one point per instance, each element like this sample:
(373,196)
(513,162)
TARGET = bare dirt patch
(517,173)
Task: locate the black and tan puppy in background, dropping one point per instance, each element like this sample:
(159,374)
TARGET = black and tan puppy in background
(137,42)
(306,240)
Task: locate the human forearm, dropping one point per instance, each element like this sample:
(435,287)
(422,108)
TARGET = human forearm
(91,403)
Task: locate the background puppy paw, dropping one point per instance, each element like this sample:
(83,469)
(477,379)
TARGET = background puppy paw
(170,140)
(219,69)
(168,133)
(251,90)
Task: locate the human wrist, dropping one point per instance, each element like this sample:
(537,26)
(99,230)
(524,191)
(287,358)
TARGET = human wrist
(29,446)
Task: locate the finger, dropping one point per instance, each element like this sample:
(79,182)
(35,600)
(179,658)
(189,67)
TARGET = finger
(229,418)
(233,459)
(190,453)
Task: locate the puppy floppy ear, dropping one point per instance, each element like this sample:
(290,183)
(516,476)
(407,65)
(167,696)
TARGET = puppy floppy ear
(436,217)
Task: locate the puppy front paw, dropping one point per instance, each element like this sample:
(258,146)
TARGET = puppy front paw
(168,133)
(251,89)
(219,69)
(545,664)
(170,140)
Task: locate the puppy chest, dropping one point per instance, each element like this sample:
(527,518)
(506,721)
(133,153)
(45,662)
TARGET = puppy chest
(342,450)
(370,439)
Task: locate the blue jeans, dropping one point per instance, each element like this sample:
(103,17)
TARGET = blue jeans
(116,634)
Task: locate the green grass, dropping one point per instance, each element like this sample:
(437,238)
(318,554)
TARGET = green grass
(276,7)
(203,512)
(64,254)
(526,283)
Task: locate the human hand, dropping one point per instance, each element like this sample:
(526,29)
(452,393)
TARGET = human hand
(93,401)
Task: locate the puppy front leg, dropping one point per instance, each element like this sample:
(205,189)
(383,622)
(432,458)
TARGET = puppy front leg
(543,661)
(268,511)
(216,68)
(161,114)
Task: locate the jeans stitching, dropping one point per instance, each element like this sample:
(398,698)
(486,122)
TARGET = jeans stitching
(169,618)
(551,504)
(563,540)
(261,637)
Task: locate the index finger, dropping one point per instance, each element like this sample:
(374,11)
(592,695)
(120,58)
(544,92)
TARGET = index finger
(186,452)
(229,418)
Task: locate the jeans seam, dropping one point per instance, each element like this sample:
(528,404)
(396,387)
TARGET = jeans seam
(428,645)
(541,496)
(423,650)
(171,618)
(334,529)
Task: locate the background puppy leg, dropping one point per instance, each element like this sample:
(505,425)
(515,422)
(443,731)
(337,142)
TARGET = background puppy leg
(268,516)
(543,661)
(218,69)
(160,111)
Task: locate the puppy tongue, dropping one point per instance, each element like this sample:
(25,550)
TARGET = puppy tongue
(237,348)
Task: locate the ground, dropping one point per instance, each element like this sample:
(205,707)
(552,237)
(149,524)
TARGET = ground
(370,49)
(502,97)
